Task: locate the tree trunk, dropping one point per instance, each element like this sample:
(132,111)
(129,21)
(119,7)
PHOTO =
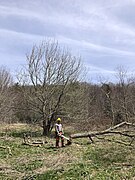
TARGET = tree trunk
(48,124)
(46,128)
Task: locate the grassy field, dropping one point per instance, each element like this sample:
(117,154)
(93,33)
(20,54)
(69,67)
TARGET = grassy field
(79,161)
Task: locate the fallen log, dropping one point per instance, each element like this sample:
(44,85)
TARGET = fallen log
(32,144)
(92,134)
(27,140)
(107,131)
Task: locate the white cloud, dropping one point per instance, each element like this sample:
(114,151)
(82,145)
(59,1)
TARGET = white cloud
(90,28)
(103,50)
(18,35)
(9,11)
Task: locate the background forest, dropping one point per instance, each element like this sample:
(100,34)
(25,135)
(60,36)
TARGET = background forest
(49,86)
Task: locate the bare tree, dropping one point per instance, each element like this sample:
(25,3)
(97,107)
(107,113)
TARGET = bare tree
(124,97)
(49,71)
(109,102)
(5,79)
(6,98)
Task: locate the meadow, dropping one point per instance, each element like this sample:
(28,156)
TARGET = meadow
(82,160)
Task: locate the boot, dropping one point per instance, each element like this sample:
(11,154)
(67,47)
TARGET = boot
(62,143)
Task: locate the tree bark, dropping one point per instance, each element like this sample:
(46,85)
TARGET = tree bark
(46,128)
(107,131)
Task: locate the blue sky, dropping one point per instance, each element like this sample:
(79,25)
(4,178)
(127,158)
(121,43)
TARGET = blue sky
(101,31)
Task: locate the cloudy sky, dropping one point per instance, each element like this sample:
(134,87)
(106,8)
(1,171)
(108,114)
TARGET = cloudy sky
(101,31)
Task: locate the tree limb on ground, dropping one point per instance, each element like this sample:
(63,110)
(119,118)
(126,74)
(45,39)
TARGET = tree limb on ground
(123,132)
(28,141)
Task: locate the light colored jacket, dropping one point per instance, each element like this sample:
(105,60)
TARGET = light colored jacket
(58,128)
